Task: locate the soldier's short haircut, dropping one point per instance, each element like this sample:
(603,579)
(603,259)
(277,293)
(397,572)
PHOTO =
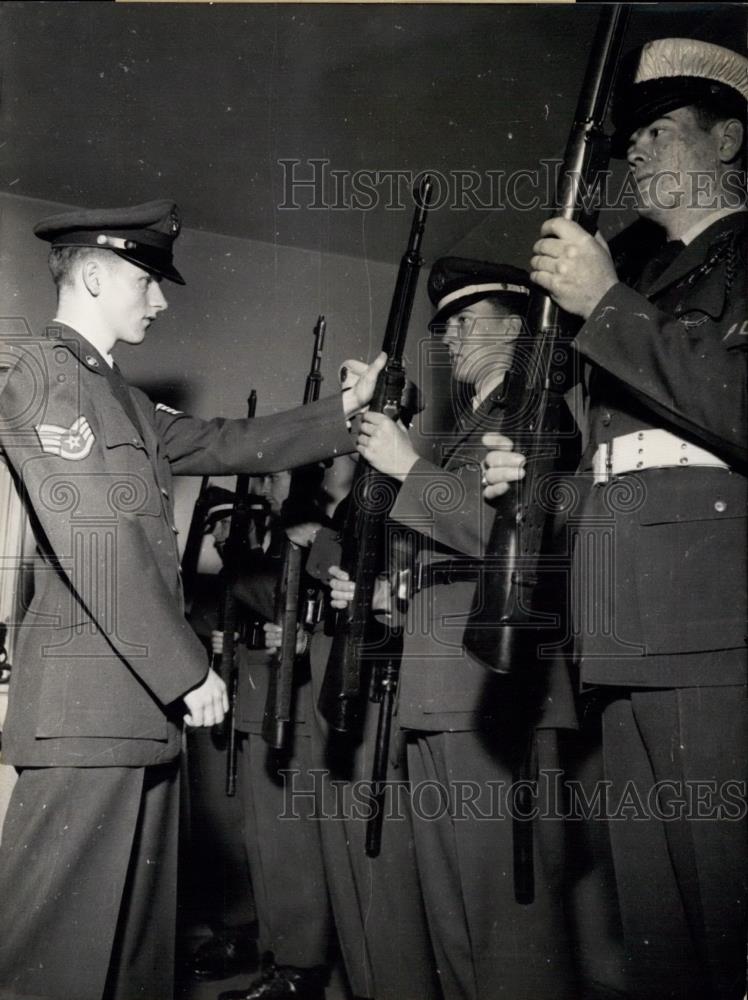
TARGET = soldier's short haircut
(63,261)
(709,112)
(509,305)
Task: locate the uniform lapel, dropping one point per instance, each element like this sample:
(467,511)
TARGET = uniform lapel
(475,422)
(693,255)
(149,435)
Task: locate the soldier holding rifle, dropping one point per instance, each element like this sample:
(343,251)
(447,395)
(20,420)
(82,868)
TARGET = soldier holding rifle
(219,894)
(284,854)
(469,733)
(376,903)
(108,668)
(660,623)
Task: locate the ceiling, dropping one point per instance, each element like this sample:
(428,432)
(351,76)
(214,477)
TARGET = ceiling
(107,104)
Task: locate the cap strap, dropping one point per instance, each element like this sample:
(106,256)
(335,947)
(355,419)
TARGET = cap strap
(492,286)
(114,242)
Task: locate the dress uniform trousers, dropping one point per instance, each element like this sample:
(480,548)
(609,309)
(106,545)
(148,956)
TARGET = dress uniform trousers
(680,857)
(488,945)
(379,914)
(120,898)
(281,834)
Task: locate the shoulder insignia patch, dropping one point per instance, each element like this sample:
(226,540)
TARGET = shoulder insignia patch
(74,442)
(168,409)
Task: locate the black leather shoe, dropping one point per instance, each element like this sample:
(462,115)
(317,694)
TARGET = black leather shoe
(225,954)
(283,982)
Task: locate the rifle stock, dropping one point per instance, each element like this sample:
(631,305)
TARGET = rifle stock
(277,716)
(503,618)
(372,497)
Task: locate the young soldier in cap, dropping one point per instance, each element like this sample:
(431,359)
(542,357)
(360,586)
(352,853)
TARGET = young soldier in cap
(662,483)
(107,667)
(469,734)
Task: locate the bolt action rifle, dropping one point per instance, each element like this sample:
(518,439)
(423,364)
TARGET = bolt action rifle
(371,498)
(277,716)
(506,616)
(501,630)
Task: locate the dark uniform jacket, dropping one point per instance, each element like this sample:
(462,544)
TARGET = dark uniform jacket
(667,605)
(105,651)
(442,687)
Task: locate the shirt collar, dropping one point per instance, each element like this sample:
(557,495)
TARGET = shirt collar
(86,351)
(86,344)
(492,392)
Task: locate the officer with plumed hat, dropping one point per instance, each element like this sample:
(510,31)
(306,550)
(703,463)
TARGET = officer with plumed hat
(660,619)
(464,728)
(108,668)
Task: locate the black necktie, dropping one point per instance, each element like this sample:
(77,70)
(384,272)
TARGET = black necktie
(659,263)
(121,392)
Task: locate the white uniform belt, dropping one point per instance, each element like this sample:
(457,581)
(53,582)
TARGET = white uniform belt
(651,449)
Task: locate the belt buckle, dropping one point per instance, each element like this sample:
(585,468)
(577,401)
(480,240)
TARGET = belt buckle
(602,463)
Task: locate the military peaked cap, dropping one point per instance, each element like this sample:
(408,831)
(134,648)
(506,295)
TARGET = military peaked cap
(670,73)
(218,503)
(455,283)
(142,234)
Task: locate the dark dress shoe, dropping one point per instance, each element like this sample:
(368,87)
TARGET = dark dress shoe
(283,982)
(223,955)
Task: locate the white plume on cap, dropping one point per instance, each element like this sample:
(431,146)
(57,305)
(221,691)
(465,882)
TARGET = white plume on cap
(667,57)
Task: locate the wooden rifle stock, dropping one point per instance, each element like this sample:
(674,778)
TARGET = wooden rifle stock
(371,499)
(277,716)
(235,554)
(503,618)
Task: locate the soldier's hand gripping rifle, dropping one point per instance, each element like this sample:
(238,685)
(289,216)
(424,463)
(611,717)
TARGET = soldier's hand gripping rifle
(503,618)
(235,556)
(371,498)
(277,716)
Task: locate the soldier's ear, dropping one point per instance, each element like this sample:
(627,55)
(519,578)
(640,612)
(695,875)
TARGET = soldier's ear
(731,139)
(91,275)
(515,325)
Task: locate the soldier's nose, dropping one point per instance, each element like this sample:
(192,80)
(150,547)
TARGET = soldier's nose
(157,299)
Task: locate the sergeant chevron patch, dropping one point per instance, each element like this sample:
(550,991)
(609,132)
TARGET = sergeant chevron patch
(168,409)
(74,442)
